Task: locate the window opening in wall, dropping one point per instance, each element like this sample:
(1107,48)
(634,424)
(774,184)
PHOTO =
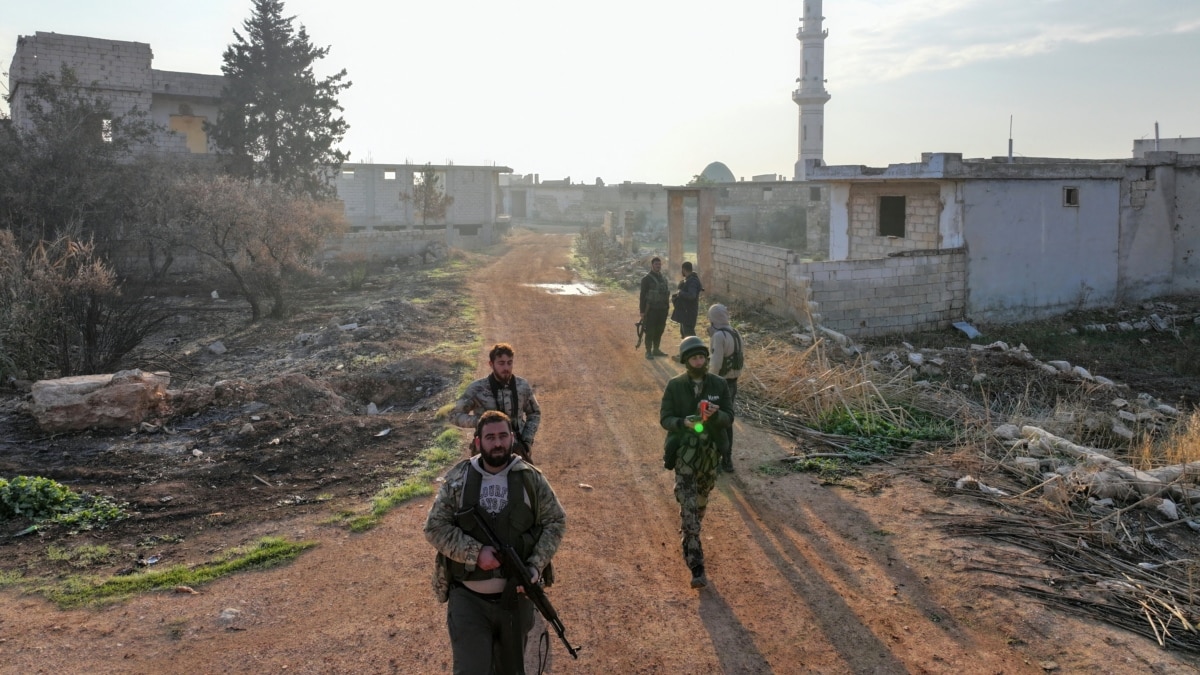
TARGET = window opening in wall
(192,128)
(766,194)
(1070,196)
(891,216)
(814,194)
(347,173)
(106,130)
(389,174)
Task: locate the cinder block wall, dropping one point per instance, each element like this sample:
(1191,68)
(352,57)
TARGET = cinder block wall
(117,70)
(900,294)
(752,273)
(921,209)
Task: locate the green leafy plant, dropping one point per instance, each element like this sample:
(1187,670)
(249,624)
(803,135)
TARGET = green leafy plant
(44,500)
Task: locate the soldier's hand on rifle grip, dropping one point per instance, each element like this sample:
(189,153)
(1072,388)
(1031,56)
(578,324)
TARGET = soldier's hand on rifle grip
(488,560)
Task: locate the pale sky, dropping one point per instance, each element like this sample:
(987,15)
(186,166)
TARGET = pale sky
(654,90)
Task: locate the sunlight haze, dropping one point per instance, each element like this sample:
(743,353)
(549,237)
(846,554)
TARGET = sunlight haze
(654,91)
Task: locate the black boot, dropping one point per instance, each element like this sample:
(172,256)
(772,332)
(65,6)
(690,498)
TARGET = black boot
(657,351)
(698,578)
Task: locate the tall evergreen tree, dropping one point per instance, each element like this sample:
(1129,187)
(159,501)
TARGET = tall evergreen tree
(277,120)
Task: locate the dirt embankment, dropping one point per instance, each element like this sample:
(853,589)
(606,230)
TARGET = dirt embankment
(804,577)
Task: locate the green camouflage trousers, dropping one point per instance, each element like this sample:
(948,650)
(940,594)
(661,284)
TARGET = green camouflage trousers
(691,491)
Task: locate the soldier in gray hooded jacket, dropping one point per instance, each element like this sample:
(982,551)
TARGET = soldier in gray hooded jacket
(726,349)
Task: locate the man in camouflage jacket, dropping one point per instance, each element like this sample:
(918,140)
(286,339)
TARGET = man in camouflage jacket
(692,451)
(503,391)
(488,619)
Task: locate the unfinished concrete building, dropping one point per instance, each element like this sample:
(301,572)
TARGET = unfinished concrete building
(120,73)
(386,223)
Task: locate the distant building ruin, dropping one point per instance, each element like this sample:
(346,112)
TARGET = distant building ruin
(381,224)
(120,73)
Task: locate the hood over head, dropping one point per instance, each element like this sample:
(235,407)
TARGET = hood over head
(718,315)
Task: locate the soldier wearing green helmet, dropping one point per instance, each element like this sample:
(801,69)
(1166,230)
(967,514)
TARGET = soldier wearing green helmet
(695,412)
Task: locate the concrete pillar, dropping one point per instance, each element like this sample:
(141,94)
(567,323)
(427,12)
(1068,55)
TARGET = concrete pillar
(674,231)
(706,208)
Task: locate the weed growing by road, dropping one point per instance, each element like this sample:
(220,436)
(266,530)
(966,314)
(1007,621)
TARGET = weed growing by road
(82,590)
(445,450)
(86,555)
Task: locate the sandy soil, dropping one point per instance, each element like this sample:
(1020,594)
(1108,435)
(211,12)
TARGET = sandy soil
(805,578)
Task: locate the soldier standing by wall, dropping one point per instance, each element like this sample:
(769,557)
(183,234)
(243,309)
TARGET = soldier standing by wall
(687,301)
(654,302)
(727,361)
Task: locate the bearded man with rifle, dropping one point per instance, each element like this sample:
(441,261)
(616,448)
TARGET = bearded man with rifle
(496,523)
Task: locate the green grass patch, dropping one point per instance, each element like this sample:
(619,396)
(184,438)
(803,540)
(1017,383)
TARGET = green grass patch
(85,555)
(11,578)
(78,590)
(445,450)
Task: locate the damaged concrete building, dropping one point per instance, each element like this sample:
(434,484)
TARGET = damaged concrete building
(120,73)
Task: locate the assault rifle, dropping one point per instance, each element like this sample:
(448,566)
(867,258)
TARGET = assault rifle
(641,330)
(515,567)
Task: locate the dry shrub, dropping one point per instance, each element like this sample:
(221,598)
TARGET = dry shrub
(1179,445)
(807,382)
(63,312)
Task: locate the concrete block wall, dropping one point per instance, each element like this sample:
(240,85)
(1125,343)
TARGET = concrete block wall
(921,212)
(385,246)
(1186,227)
(474,196)
(117,70)
(752,273)
(371,193)
(898,294)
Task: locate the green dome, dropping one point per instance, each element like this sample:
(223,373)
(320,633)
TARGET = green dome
(718,173)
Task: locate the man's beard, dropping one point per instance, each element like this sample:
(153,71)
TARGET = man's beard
(494,462)
(697,373)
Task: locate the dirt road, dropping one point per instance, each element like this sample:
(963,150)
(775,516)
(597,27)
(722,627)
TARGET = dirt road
(804,578)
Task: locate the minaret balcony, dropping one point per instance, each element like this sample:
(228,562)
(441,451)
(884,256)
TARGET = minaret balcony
(816,94)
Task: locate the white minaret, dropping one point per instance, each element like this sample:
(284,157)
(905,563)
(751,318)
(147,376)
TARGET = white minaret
(811,95)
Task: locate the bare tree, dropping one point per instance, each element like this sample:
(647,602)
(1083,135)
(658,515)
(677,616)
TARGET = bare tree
(262,237)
